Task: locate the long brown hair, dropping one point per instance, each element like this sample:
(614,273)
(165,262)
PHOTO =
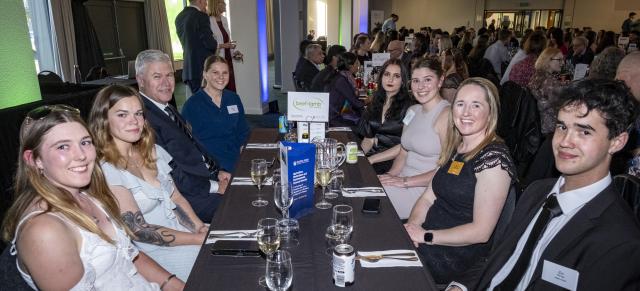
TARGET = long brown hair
(99,126)
(31,187)
(454,139)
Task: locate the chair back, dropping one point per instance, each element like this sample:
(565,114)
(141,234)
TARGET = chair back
(49,77)
(505,216)
(9,275)
(629,187)
(297,83)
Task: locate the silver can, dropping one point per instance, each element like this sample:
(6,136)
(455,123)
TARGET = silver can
(352,153)
(344,265)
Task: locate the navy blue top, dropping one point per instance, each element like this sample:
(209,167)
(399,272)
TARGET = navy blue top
(222,130)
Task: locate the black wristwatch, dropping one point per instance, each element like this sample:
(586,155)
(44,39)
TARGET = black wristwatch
(428,237)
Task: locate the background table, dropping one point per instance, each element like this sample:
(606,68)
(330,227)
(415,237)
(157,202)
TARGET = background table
(311,265)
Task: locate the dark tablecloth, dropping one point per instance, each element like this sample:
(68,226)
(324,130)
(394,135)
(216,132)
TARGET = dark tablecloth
(311,265)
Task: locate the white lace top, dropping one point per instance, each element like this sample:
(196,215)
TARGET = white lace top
(106,266)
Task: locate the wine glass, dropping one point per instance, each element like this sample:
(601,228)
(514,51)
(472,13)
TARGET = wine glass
(323,172)
(279,271)
(335,184)
(258,174)
(268,239)
(342,222)
(283,198)
(289,227)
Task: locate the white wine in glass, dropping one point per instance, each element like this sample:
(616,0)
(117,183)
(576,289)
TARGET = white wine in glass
(268,238)
(324,177)
(258,175)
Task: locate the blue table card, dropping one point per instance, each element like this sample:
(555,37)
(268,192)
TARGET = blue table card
(297,166)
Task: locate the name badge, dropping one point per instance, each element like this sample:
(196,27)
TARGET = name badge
(232,109)
(455,168)
(408,117)
(560,275)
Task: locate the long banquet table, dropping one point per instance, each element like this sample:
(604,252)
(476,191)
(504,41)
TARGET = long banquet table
(311,265)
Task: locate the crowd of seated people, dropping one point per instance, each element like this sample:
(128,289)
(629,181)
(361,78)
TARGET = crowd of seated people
(145,179)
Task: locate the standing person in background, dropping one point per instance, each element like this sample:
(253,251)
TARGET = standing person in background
(390,23)
(217,115)
(222,34)
(194,30)
(497,53)
(628,23)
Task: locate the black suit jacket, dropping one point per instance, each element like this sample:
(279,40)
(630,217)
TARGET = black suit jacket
(194,30)
(189,172)
(305,73)
(601,242)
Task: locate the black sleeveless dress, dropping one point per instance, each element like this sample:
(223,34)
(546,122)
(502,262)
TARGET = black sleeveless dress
(454,206)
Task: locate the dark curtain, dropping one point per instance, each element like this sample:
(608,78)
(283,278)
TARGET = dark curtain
(87,44)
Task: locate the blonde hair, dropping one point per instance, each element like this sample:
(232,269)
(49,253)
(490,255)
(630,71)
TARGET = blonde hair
(213,7)
(33,187)
(454,139)
(542,63)
(212,59)
(99,126)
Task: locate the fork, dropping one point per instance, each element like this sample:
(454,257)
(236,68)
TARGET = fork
(236,234)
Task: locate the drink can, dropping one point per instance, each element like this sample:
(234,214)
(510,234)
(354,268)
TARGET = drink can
(282,124)
(344,265)
(352,153)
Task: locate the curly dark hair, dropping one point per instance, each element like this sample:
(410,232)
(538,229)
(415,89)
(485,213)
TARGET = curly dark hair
(401,100)
(612,99)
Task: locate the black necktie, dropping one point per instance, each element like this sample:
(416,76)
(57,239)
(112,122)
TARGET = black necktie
(550,210)
(177,119)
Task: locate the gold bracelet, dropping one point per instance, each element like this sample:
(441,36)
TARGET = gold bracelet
(167,280)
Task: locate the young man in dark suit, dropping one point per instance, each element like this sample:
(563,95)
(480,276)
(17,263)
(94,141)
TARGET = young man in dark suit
(196,175)
(576,232)
(194,31)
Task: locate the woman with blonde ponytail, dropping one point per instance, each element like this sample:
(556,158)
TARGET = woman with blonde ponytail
(65,225)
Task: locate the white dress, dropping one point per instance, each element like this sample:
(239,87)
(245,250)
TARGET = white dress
(157,208)
(422,144)
(106,266)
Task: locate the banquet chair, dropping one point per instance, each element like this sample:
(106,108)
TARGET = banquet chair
(49,77)
(629,187)
(297,83)
(9,276)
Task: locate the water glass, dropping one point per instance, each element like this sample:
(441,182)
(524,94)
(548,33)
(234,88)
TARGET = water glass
(342,222)
(289,230)
(279,272)
(268,238)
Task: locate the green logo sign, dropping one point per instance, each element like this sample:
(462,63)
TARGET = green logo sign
(313,103)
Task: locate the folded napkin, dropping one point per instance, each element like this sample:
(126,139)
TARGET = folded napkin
(363,192)
(339,128)
(360,154)
(389,262)
(262,146)
(233,235)
(247,181)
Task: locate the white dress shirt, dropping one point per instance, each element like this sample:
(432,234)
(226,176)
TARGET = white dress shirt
(497,53)
(570,202)
(213,185)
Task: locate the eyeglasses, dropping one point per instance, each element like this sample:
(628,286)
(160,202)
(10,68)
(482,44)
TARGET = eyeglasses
(43,111)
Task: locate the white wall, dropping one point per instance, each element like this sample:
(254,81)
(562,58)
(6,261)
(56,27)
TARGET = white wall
(436,13)
(524,4)
(243,18)
(290,38)
(599,14)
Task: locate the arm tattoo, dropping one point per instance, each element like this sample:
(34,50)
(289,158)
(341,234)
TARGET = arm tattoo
(184,219)
(147,233)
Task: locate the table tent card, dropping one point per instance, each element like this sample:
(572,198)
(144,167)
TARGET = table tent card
(311,111)
(297,168)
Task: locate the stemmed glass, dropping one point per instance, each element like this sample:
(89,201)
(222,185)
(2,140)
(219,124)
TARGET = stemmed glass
(335,184)
(268,238)
(283,198)
(323,172)
(258,175)
(279,271)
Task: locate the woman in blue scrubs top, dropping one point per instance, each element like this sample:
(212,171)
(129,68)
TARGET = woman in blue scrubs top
(216,115)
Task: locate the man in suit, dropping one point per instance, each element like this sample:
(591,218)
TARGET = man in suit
(194,173)
(194,30)
(575,232)
(308,68)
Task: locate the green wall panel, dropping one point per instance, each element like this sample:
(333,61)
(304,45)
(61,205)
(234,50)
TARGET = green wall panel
(18,78)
